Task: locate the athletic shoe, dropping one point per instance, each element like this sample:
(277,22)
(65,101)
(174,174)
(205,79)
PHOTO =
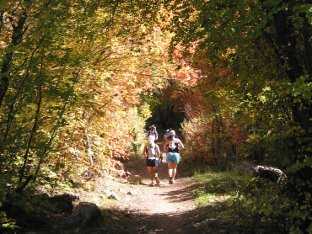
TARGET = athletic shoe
(170,181)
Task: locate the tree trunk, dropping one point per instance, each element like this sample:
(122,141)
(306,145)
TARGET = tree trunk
(49,143)
(17,35)
(1,19)
(21,185)
(12,106)
(90,152)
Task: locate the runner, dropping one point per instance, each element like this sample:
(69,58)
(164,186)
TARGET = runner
(152,155)
(173,147)
(152,134)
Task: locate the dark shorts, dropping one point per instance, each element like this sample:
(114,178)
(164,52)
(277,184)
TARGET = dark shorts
(152,162)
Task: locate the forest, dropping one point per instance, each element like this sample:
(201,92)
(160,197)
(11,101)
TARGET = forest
(81,80)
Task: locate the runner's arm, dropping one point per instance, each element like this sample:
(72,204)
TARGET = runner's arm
(158,152)
(145,152)
(181,144)
(166,146)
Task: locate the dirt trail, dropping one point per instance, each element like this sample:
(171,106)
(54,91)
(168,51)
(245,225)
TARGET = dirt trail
(168,209)
(161,206)
(166,199)
(154,209)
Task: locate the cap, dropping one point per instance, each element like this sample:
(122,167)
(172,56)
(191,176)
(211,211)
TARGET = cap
(171,133)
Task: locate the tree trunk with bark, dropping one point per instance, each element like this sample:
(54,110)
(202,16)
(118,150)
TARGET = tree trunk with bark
(16,39)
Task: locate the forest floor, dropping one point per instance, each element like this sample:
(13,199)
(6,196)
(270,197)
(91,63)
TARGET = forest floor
(170,208)
(200,203)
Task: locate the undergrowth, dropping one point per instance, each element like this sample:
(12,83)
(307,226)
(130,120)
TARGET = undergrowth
(245,201)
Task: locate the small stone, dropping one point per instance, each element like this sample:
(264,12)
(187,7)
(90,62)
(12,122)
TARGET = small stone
(196,225)
(112,195)
(115,218)
(129,193)
(135,179)
(209,220)
(142,228)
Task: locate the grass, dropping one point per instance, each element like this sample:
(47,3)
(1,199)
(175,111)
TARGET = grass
(218,186)
(241,200)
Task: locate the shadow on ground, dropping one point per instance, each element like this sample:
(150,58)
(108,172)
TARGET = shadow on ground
(137,166)
(180,195)
(209,219)
(200,221)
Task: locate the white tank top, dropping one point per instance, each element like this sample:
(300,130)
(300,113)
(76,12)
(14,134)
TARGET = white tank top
(152,151)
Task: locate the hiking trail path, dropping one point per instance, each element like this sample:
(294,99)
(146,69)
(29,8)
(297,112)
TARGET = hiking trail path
(142,209)
(150,210)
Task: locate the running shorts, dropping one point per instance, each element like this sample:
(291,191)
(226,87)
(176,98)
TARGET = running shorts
(173,157)
(152,162)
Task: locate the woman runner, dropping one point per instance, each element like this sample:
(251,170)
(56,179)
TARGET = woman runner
(173,147)
(152,134)
(152,154)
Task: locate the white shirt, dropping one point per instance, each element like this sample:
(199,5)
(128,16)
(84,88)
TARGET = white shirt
(153,151)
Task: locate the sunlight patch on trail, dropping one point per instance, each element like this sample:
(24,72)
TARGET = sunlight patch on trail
(166,199)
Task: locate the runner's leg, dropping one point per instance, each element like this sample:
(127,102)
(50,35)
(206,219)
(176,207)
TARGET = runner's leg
(156,175)
(151,174)
(170,171)
(174,171)
(175,167)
